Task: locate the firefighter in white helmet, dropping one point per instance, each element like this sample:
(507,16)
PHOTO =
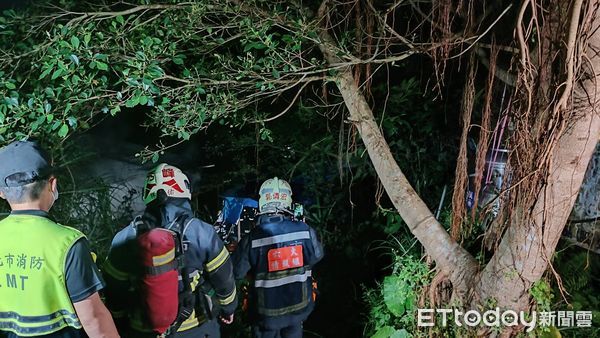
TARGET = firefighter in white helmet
(279,254)
(167,197)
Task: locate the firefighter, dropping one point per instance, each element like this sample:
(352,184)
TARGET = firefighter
(278,255)
(167,197)
(51,286)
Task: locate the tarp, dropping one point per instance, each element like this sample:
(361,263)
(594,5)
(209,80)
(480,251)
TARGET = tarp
(233,207)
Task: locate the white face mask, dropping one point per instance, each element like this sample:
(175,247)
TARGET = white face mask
(55,195)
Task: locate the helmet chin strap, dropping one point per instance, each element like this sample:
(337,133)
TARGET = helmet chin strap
(277,211)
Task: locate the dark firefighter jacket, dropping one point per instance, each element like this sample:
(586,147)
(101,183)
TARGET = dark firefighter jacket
(205,253)
(279,255)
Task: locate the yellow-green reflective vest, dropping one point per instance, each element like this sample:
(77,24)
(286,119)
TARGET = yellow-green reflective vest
(33,293)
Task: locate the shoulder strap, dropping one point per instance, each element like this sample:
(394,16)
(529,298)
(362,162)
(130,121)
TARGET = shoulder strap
(178,227)
(179,223)
(186,296)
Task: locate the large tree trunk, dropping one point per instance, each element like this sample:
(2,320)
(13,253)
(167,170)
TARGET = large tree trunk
(450,257)
(525,249)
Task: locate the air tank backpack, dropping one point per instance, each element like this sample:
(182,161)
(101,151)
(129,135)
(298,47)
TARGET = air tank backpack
(161,254)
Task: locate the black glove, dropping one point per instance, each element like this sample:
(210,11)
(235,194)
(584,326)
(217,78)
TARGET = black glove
(226,317)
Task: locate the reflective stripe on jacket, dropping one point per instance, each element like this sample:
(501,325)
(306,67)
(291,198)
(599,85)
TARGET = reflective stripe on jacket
(205,252)
(33,291)
(281,255)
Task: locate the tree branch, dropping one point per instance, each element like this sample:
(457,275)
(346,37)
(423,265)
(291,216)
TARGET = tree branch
(286,109)
(449,256)
(108,15)
(573,29)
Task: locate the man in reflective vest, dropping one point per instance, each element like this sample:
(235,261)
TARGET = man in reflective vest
(278,254)
(48,281)
(167,197)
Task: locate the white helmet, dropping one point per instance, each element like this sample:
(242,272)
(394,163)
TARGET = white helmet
(275,195)
(169,179)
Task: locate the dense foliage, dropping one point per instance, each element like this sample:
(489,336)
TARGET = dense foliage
(250,71)
(68,69)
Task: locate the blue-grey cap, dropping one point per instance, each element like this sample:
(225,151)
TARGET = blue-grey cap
(25,158)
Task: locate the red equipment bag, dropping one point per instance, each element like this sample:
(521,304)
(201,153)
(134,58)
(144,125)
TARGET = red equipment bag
(159,286)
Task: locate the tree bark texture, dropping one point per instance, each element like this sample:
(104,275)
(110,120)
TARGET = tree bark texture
(526,248)
(449,256)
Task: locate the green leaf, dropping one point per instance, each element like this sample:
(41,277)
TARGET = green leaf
(56,74)
(87,38)
(254,45)
(10,85)
(390,332)
(120,19)
(115,110)
(143,100)
(49,117)
(56,125)
(384,332)
(155,71)
(101,65)
(401,334)
(64,129)
(265,134)
(75,59)
(72,121)
(202,116)
(45,73)
(11,101)
(49,92)
(155,158)
(393,295)
(75,42)
(178,61)
(62,66)
(132,102)
(36,124)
